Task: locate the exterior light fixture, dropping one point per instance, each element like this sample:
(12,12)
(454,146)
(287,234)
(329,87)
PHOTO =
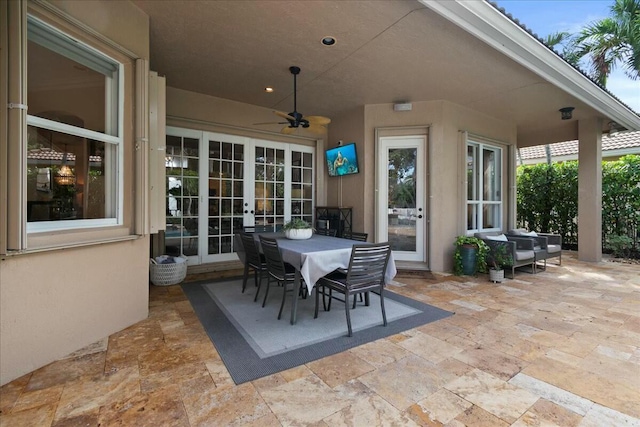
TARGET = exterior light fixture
(268,89)
(614,128)
(566,113)
(328,41)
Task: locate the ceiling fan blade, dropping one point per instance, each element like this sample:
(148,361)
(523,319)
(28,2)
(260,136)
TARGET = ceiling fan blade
(270,123)
(318,120)
(315,128)
(288,130)
(284,115)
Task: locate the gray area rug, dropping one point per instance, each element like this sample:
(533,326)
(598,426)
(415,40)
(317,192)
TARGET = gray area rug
(253,343)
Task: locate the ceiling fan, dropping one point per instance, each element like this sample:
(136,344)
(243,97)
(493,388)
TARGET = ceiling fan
(295,120)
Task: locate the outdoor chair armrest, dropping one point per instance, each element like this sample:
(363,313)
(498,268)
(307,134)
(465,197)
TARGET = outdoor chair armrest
(539,240)
(522,243)
(552,239)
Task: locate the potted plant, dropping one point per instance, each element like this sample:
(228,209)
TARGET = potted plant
(498,258)
(297,229)
(469,256)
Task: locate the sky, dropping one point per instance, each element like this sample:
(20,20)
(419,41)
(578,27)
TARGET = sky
(544,17)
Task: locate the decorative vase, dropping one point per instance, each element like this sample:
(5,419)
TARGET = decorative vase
(298,233)
(468,254)
(496,276)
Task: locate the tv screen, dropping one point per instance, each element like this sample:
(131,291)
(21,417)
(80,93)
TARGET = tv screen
(342,160)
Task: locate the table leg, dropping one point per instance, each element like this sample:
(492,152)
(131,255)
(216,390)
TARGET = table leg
(296,291)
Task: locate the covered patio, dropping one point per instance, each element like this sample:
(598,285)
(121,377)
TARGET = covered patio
(186,100)
(556,348)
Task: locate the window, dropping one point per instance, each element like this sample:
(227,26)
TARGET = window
(484,187)
(74,134)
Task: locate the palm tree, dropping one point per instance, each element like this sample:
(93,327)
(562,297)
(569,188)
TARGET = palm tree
(567,41)
(612,41)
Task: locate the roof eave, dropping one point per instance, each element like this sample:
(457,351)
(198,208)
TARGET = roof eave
(487,24)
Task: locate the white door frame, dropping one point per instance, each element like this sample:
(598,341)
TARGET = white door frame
(249,145)
(382,152)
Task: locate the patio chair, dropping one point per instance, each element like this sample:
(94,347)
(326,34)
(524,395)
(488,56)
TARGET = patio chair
(280,271)
(327,232)
(521,250)
(354,235)
(253,260)
(548,244)
(366,270)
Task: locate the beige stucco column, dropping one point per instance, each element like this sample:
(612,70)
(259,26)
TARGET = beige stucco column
(590,190)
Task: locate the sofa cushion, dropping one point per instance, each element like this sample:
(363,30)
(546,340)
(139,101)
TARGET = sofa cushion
(517,231)
(499,238)
(552,249)
(523,232)
(522,255)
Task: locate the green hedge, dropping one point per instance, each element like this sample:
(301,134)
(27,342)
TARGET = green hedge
(548,201)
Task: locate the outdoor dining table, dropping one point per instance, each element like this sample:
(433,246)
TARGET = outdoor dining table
(314,258)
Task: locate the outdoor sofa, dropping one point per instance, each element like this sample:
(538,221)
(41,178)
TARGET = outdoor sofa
(521,250)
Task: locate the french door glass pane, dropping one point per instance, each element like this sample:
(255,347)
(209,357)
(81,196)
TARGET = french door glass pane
(402,199)
(490,216)
(491,177)
(181,163)
(484,179)
(302,186)
(226,176)
(269,187)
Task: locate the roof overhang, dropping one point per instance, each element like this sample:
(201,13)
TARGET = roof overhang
(498,31)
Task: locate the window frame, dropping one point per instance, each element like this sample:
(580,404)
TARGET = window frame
(478,185)
(113,137)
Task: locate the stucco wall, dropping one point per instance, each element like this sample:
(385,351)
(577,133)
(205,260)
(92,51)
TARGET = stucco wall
(57,301)
(349,128)
(445,157)
(53,303)
(206,112)
(119,21)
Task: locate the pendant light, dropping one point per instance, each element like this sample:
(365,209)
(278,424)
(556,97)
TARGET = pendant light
(65,175)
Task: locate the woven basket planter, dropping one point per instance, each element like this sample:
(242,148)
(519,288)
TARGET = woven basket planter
(167,274)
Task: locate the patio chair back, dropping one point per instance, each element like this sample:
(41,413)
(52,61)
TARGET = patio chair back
(327,232)
(354,235)
(367,265)
(279,271)
(253,260)
(366,270)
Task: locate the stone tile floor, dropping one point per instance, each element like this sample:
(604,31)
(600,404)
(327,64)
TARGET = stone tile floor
(560,348)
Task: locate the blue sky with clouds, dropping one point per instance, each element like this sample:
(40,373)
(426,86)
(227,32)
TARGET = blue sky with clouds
(544,17)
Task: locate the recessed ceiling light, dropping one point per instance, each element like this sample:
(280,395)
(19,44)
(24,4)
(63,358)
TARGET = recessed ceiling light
(268,89)
(328,41)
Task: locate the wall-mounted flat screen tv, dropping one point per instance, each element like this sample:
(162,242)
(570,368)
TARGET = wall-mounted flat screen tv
(342,160)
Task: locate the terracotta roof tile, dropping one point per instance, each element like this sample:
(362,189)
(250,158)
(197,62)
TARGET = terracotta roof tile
(56,156)
(619,141)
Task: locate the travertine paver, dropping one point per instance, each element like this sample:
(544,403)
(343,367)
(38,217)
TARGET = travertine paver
(559,348)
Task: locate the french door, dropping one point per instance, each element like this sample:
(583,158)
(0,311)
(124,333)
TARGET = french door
(401,212)
(217,184)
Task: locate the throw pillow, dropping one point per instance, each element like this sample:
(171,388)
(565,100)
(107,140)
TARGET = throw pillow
(499,238)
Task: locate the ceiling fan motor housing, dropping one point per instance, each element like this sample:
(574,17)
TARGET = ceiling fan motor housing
(299,120)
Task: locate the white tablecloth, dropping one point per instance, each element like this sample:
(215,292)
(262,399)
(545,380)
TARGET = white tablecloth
(318,256)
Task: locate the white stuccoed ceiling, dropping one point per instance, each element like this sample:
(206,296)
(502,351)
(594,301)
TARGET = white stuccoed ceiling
(386,51)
